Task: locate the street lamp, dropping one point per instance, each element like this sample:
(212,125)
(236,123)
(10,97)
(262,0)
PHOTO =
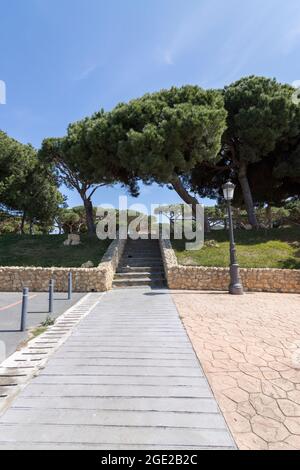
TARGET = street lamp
(235,287)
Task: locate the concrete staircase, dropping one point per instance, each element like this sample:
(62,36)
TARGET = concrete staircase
(141,265)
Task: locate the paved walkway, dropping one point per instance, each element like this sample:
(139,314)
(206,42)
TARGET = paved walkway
(249,348)
(127,378)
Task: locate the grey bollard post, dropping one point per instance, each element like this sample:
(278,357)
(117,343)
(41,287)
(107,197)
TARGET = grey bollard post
(51,294)
(70,286)
(24,308)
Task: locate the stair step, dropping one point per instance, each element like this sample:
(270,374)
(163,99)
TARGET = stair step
(140,279)
(140,275)
(141,265)
(145,260)
(140,254)
(133,268)
(136,269)
(134,257)
(144,240)
(140,248)
(141,260)
(138,282)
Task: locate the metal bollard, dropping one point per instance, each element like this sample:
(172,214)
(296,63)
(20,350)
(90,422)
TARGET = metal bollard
(24,308)
(51,295)
(70,286)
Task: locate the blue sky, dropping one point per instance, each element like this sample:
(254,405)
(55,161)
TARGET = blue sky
(65,59)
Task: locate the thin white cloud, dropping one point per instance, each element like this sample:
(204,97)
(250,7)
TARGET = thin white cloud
(272,30)
(191,29)
(292,39)
(286,31)
(164,56)
(257,38)
(254,36)
(167,58)
(86,72)
(2,92)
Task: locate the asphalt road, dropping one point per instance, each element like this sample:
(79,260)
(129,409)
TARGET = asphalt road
(10,315)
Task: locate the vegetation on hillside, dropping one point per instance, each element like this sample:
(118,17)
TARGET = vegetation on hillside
(48,251)
(271,248)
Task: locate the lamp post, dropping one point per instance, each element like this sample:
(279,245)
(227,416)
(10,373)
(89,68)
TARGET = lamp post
(160,229)
(235,287)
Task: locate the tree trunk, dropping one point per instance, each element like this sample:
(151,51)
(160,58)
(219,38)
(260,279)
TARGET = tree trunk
(190,200)
(23,223)
(269,216)
(89,212)
(238,217)
(31,228)
(243,179)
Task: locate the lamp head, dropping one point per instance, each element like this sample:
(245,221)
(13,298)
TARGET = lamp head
(228,191)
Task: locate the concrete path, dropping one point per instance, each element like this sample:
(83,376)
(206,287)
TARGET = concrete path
(127,378)
(10,315)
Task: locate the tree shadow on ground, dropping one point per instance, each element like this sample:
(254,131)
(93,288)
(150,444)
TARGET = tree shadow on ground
(192,292)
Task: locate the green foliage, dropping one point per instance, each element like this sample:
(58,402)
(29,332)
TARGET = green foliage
(15,160)
(85,157)
(263,132)
(26,184)
(70,221)
(84,160)
(191,139)
(174,211)
(40,197)
(48,322)
(293,209)
(74,220)
(260,112)
(216,212)
(9,223)
(272,216)
(163,135)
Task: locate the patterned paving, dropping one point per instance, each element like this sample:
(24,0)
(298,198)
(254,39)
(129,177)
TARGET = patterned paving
(249,348)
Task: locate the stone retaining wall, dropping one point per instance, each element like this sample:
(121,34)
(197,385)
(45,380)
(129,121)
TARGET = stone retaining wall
(202,278)
(13,279)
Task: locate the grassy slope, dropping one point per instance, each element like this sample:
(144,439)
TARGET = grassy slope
(49,251)
(262,249)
